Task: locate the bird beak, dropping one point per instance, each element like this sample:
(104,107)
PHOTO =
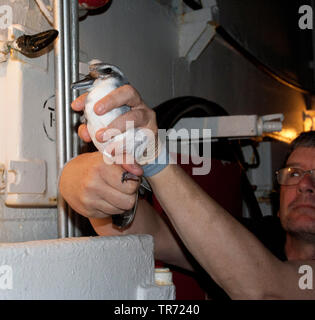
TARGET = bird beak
(31,44)
(85,83)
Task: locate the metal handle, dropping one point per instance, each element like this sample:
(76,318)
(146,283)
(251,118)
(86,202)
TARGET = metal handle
(124,219)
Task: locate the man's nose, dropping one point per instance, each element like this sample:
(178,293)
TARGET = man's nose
(307,184)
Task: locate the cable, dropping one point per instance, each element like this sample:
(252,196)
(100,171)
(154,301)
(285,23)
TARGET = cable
(43,8)
(171,111)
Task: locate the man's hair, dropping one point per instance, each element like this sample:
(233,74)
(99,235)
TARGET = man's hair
(304,140)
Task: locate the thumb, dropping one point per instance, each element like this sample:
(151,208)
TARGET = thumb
(133,168)
(129,164)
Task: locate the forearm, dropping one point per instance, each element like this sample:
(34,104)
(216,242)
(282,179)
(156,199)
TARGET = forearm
(234,258)
(167,246)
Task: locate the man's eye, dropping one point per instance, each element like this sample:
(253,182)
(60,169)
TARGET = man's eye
(294,173)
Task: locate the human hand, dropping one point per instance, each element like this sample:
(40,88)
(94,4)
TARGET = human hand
(94,189)
(140,115)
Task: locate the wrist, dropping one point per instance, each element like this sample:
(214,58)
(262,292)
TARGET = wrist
(160,161)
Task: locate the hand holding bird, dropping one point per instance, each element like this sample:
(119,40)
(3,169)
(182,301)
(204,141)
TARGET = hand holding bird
(106,83)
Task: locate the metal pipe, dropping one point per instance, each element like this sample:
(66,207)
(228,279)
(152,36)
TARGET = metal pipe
(75,49)
(68,78)
(66,72)
(60,117)
(68,99)
(75,77)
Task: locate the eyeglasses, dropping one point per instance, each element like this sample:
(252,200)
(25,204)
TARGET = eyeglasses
(292,176)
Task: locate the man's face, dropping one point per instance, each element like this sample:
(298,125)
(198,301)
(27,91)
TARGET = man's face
(297,202)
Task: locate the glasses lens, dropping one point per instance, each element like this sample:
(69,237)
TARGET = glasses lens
(289,176)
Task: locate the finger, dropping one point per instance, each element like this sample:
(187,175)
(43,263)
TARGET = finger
(125,95)
(103,210)
(127,162)
(98,195)
(118,201)
(79,103)
(120,151)
(113,177)
(132,119)
(84,133)
(93,206)
(134,169)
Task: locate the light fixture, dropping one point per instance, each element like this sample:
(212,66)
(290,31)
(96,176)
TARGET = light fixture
(309,120)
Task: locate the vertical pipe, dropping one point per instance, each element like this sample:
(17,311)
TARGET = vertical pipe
(60,117)
(68,77)
(68,98)
(75,77)
(66,72)
(75,67)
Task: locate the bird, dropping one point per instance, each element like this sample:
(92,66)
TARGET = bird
(101,80)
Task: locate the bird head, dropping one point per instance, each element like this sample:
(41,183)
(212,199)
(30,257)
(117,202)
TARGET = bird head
(102,71)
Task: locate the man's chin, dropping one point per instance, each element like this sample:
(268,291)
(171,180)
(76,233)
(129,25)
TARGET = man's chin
(301,224)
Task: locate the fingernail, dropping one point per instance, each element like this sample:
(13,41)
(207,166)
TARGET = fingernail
(100,109)
(105,136)
(86,135)
(99,136)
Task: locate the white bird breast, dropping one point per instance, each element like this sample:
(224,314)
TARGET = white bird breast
(101,88)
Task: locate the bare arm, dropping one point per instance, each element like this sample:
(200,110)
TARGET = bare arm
(233,256)
(99,193)
(167,247)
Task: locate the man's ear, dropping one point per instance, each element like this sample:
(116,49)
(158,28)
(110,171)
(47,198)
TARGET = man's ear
(278,214)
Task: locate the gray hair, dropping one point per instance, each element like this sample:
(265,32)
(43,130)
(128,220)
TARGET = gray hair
(305,140)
